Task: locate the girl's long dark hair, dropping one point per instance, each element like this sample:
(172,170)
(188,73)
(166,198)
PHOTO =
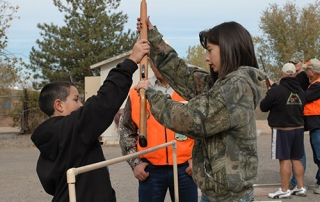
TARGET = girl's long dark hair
(235,43)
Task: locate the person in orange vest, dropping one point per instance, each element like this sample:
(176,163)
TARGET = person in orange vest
(312,114)
(155,170)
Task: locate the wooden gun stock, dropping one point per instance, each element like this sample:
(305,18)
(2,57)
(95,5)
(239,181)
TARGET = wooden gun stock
(268,82)
(143,74)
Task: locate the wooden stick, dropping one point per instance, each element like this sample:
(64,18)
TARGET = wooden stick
(143,76)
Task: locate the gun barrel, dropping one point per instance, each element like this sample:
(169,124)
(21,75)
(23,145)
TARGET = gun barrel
(267,79)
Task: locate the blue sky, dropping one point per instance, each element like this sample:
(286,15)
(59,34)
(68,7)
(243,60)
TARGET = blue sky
(178,20)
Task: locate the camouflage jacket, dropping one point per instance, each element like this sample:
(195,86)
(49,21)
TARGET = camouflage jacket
(220,117)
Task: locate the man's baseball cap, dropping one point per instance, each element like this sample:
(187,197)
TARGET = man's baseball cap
(289,69)
(297,57)
(314,65)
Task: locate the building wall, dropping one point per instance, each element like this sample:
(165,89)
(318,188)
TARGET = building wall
(91,86)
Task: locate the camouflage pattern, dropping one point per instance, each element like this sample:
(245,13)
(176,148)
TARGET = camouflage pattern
(219,117)
(297,57)
(128,135)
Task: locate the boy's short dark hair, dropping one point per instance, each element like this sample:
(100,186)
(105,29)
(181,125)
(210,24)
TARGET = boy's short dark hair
(51,92)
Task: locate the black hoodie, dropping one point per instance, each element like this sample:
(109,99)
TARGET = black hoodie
(72,141)
(285,102)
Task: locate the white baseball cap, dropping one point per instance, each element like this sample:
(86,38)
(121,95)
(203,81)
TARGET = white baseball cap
(289,69)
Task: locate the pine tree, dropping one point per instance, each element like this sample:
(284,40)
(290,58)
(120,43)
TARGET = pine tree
(93,32)
(197,57)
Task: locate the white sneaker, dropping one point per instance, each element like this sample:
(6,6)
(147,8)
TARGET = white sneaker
(280,194)
(313,186)
(299,192)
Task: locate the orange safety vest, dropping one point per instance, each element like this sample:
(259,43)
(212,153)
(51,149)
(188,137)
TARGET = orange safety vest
(157,134)
(312,108)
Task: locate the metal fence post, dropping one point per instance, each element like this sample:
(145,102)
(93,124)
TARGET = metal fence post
(25,111)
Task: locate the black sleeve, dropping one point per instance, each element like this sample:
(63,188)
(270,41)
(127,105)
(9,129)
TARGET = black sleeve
(313,93)
(267,102)
(98,112)
(303,80)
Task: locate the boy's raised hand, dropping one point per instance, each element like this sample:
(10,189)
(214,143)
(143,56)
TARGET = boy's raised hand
(140,49)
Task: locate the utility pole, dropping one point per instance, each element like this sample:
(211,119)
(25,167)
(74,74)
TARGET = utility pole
(25,111)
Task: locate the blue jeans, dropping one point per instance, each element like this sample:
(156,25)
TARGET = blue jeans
(154,188)
(249,199)
(315,145)
(293,181)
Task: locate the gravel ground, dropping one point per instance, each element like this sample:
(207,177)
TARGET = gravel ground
(15,141)
(19,182)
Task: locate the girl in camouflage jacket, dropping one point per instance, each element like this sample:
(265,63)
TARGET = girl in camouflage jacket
(219,114)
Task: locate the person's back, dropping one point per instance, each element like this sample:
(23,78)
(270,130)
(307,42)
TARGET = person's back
(285,103)
(69,138)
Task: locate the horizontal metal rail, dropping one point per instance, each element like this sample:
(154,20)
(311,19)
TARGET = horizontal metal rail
(73,172)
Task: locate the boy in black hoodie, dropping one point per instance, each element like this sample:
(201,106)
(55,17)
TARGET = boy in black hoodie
(69,138)
(285,103)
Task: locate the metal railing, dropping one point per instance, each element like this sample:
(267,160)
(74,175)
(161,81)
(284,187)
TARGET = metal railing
(73,172)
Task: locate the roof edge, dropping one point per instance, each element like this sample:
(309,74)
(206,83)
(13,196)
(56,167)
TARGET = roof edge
(99,64)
